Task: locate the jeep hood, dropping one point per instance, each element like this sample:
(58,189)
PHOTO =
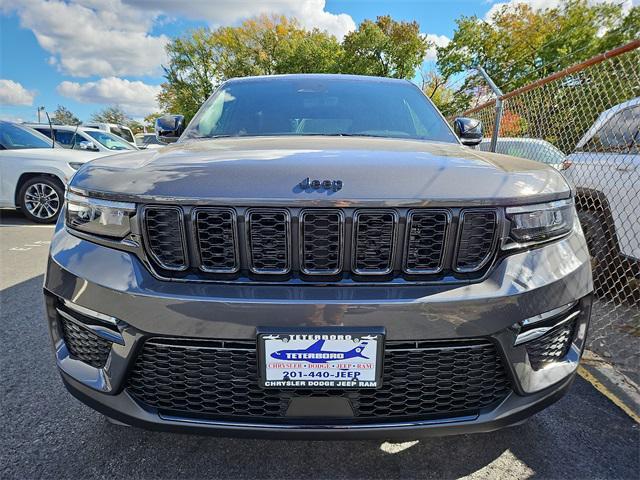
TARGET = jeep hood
(268,170)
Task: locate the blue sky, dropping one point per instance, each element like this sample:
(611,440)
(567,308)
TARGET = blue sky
(86,54)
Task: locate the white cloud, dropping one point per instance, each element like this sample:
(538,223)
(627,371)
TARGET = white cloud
(91,37)
(311,13)
(437,41)
(135,97)
(13,93)
(543,4)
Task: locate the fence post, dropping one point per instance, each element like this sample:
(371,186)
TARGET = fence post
(498,93)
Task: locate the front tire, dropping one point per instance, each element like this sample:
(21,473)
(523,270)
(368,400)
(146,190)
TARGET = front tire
(41,199)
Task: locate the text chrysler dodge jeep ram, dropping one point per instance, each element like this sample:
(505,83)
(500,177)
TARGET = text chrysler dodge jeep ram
(318,256)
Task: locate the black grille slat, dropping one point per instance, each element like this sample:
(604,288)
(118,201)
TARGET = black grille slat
(269,242)
(374,238)
(321,238)
(427,232)
(207,379)
(551,347)
(165,236)
(476,239)
(84,345)
(217,241)
(328,241)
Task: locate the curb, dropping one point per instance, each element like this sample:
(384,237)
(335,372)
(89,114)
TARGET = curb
(619,389)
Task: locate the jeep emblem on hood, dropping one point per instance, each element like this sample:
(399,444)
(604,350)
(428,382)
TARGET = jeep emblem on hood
(334,185)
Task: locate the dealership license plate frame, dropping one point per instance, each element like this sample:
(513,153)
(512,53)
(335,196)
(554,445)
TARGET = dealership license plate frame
(263,335)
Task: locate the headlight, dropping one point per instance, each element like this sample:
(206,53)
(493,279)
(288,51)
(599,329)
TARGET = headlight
(99,217)
(541,222)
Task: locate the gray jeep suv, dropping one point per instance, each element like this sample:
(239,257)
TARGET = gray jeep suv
(318,256)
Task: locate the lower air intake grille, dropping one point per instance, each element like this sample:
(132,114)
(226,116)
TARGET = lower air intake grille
(551,347)
(84,345)
(165,236)
(374,238)
(477,234)
(219,380)
(269,241)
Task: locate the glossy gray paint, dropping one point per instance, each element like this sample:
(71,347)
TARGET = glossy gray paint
(115,279)
(263,171)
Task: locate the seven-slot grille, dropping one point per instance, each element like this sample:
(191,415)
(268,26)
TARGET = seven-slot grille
(427,236)
(321,241)
(477,239)
(269,241)
(165,237)
(316,242)
(217,244)
(216,379)
(374,233)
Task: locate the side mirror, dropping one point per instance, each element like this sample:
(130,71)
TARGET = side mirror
(90,146)
(169,128)
(468,130)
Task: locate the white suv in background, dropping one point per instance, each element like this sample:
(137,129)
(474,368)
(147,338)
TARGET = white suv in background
(119,130)
(606,173)
(33,175)
(83,138)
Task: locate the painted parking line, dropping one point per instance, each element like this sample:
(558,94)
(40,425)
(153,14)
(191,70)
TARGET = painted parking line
(624,397)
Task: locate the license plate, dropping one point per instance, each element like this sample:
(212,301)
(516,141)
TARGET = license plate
(340,359)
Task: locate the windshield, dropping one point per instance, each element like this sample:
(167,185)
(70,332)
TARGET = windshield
(112,142)
(122,132)
(14,137)
(317,106)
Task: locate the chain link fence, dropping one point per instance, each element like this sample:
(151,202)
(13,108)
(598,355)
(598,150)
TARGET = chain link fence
(585,122)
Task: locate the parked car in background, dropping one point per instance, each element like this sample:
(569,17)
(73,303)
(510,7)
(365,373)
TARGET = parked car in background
(33,175)
(529,148)
(148,140)
(606,173)
(83,138)
(120,130)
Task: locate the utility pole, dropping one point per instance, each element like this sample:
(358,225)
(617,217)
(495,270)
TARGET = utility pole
(498,93)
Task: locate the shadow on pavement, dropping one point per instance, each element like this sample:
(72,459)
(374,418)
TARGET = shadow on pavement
(47,433)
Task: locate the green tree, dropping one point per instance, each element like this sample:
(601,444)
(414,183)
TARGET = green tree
(111,114)
(520,44)
(63,116)
(135,126)
(149,121)
(446,98)
(385,48)
(264,45)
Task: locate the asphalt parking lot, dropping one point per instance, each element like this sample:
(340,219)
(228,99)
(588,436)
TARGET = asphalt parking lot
(47,433)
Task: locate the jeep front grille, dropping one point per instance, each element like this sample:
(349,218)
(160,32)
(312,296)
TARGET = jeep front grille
(374,241)
(165,236)
(477,239)
(216,239)
(321,239)
(279,244)
(427,232)
(219,380)
(269,241)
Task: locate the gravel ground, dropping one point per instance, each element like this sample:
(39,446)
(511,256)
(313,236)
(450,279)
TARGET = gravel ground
(47,433)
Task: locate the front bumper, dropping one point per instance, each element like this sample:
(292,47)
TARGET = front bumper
(117,285)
